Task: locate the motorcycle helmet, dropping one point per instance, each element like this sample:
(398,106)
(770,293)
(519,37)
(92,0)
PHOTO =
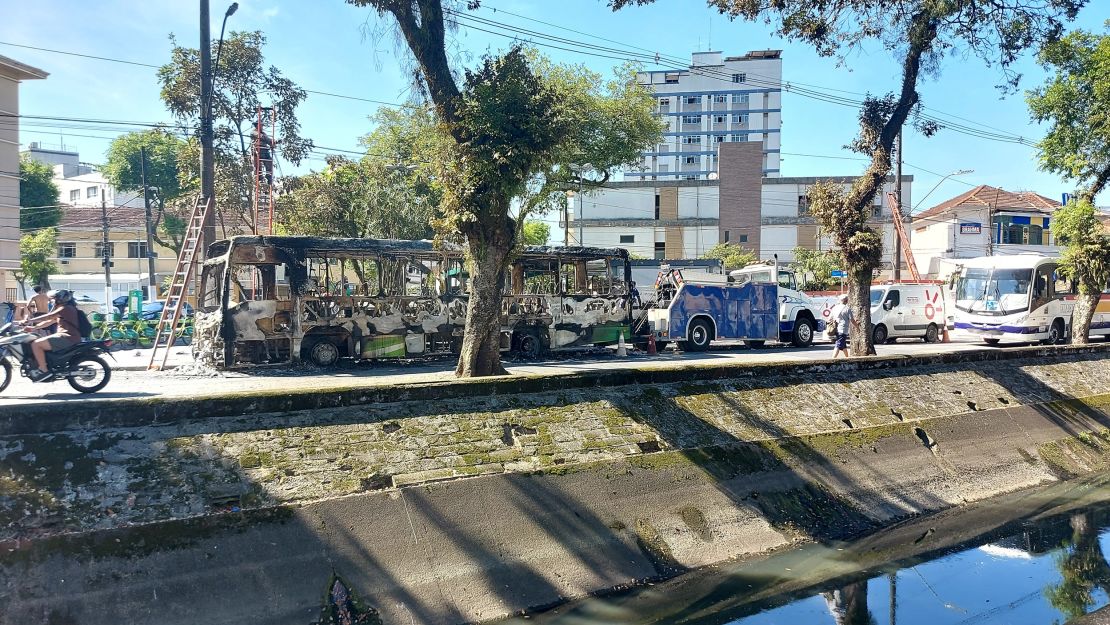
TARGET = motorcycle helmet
(61,296)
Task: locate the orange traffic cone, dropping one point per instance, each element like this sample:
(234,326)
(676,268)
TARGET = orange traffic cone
(944,335)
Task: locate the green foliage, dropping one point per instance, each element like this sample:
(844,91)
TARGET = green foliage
(1075,101)
(1086,255)
(35,250)
(389,193)
(858,243)
(242,84)
(814,268)
(731,255)
(536,233)
(38,195)
(123,166)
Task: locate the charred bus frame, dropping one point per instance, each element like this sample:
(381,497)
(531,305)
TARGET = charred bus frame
(275,299)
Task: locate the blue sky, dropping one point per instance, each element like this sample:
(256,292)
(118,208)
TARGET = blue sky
(328,45)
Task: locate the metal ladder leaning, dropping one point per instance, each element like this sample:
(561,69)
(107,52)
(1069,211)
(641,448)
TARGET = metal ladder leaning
(182,274)
(900,228)
(263,210)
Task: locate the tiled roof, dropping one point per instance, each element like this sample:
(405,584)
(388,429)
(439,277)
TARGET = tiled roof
(120,217)
(993,197)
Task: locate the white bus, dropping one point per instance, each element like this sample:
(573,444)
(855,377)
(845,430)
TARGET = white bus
(1019,297)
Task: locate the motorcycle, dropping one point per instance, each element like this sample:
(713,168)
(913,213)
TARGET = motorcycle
(81,365)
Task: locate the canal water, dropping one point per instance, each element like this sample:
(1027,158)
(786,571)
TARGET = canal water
(1043,572)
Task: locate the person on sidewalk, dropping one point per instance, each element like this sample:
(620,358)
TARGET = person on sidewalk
(842,315)
(68,333)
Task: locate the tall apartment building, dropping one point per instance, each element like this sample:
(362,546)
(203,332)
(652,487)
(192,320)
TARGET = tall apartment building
(716,100)
(12,73)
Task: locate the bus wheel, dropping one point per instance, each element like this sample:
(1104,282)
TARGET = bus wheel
(1056,333)
(698,339)
(323,354)
(803,333)
(879,334)
(932,333)
(528,345)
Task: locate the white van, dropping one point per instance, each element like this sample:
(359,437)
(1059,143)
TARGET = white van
(907,310)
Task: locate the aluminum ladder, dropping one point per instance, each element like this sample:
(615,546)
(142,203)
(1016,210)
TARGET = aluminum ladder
(164,333)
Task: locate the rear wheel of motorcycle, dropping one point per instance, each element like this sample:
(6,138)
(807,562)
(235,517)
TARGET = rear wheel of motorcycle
(5,374)
(89,374)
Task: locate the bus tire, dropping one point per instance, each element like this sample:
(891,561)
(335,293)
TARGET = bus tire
(1056,333)
(802,336)
(699,336)
(527,345)
(932,333)
(879,335)
(323,353)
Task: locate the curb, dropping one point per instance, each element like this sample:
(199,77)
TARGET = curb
(107,413)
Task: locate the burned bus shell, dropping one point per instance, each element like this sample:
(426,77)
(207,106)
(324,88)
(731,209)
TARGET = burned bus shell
(284,299)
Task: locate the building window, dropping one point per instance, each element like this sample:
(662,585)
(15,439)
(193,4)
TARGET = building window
(877,211)
(75,195)
(726,236)
(803,205)
(737,138)
(691,177)
(67,250)
(671,79)
(136,249)
(664,101)
(718,138)
(693,99)
(739,78)
(739,98)
(720,99)
(743,238)
(91,192)
(690,160)
(718,119)
(691,139)
(742,118)
(691,119)
(628,238)
(657,206)
(99,250)
(660,250)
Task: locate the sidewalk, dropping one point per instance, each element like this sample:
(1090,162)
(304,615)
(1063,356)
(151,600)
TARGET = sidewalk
(136,359)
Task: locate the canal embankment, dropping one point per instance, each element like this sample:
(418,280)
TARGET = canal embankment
(570,489)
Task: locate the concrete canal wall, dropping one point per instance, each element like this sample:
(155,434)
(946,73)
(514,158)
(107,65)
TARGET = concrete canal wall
(573,488)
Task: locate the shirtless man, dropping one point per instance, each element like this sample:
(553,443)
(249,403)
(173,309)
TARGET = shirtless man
(67,334)
(39,304)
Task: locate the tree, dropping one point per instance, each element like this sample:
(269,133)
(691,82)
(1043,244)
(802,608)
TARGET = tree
(1083,569)
(731,255)
(536,233)
(919,33)
(165,155)
(1075,101)
(1085,260)
(512,133)
(35,250)
(242,81)
(814,268)
(38,195)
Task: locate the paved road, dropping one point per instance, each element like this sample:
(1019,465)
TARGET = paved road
(187,381)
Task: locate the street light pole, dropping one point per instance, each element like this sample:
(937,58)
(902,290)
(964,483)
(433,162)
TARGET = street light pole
(152,282)
(207,156)
(955,173)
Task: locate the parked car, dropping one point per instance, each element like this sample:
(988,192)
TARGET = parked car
(153,310)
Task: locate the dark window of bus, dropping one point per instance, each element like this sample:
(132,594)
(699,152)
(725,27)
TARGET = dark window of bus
(1062,286)
(660,251)
(598,277)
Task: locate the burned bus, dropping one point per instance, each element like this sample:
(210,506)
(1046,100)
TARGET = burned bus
(281,299)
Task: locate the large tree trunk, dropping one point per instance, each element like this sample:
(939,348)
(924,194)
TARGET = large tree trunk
(481,348)
(848,605)
(859,300)
(1081,315)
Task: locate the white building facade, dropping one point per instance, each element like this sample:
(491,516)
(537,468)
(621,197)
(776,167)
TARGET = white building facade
(716,100)
(984,221)
(80,184)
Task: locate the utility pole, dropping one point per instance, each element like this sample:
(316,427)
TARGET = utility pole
(898,198)
(207,157)
(106,247)
(990,231)
(152,290)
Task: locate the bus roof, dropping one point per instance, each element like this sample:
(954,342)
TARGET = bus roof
(1008,261)
(398,246)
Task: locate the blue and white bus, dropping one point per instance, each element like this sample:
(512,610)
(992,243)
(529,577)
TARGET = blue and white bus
(1020,297)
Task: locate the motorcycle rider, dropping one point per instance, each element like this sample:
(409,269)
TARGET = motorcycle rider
(64,314)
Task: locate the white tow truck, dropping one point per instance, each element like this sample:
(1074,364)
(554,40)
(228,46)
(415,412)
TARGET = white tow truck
(799,315)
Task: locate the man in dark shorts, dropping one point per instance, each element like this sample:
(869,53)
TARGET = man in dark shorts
(68,333)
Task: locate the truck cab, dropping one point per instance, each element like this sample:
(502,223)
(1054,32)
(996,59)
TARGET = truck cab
(799,316)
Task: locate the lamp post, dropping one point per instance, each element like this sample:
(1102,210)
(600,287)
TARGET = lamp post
(959,172)
(207,154)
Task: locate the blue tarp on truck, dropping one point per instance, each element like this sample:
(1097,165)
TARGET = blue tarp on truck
(747,311)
